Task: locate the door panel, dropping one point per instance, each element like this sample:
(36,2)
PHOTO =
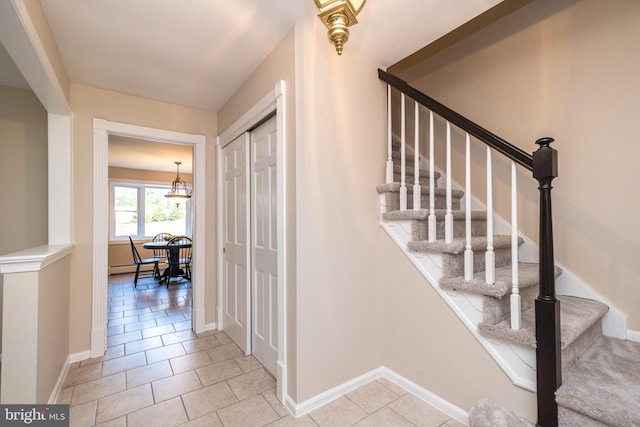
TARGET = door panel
(264,272)
(236,299)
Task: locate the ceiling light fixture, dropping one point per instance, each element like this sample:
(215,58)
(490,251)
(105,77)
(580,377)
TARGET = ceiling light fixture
(338,16)
(179,189)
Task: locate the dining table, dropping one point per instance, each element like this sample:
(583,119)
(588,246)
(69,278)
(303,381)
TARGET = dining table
(173,256)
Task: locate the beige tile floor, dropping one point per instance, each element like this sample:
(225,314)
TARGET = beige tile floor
(157,372)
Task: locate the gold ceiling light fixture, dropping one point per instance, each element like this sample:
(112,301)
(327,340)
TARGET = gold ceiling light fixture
(338,16)
(179,190)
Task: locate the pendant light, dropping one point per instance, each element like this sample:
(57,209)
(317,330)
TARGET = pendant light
(179,189)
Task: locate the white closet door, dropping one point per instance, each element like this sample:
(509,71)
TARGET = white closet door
(236,295)
(264,250)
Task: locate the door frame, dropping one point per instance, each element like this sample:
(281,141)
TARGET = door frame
(101,131)
(272,101)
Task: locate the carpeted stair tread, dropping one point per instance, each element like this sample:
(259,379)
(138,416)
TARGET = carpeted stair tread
(410,171)
(458,246)
(423,214)
(604,383)
(394,187)
(528,275)
(576,314)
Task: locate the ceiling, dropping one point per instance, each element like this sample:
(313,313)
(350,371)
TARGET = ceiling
(149,155)
(197,53)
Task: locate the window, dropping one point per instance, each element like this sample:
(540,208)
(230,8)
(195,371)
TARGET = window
(140,210)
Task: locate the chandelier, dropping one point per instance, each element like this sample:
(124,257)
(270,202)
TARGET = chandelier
(338,16)
(179,189)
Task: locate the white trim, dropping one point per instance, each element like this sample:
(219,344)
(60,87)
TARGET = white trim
(80,356)
(72,358)
(332,394)
(256,113)
(431,398)
(58,385)
(60,188)
(633,335)
(300,409)
(210,326)
(33,259)
(101,131)
(274,100)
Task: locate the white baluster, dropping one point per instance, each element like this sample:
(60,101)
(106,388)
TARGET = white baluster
(515,290)
(432,184)
(389,141)
(403,186)
(468,253)
(417,192)
(490,256)
(448,218)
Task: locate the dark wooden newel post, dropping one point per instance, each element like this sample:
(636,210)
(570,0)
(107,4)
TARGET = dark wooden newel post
(548,358)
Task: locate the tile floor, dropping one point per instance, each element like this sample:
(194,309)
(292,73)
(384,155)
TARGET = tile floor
(157,372)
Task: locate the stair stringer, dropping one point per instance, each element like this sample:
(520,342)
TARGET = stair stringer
(517,361)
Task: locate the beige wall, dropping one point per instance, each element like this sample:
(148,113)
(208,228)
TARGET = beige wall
(53,325)
(566,69)
(340,143)
(23,170)
(88,103)
(427,343)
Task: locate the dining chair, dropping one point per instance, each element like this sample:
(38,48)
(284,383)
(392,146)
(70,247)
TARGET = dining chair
(138,261)
(161,254)
(179,256)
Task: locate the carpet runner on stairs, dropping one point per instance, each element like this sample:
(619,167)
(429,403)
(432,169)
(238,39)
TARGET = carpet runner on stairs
(602,388)
(602,375)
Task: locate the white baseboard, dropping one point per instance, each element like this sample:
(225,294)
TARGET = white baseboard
(303,408)
(78,357)
(633,335)
(210,326)
(434,400)
(58,386)
(72,358)
(322,399)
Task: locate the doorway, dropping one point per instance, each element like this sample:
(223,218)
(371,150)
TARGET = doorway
(101,131)
(238,135)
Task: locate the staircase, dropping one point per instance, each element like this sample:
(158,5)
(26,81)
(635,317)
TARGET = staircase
(600,374)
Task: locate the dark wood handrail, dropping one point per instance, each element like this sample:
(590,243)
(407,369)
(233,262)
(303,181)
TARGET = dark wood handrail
(544,166)
(511,151)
